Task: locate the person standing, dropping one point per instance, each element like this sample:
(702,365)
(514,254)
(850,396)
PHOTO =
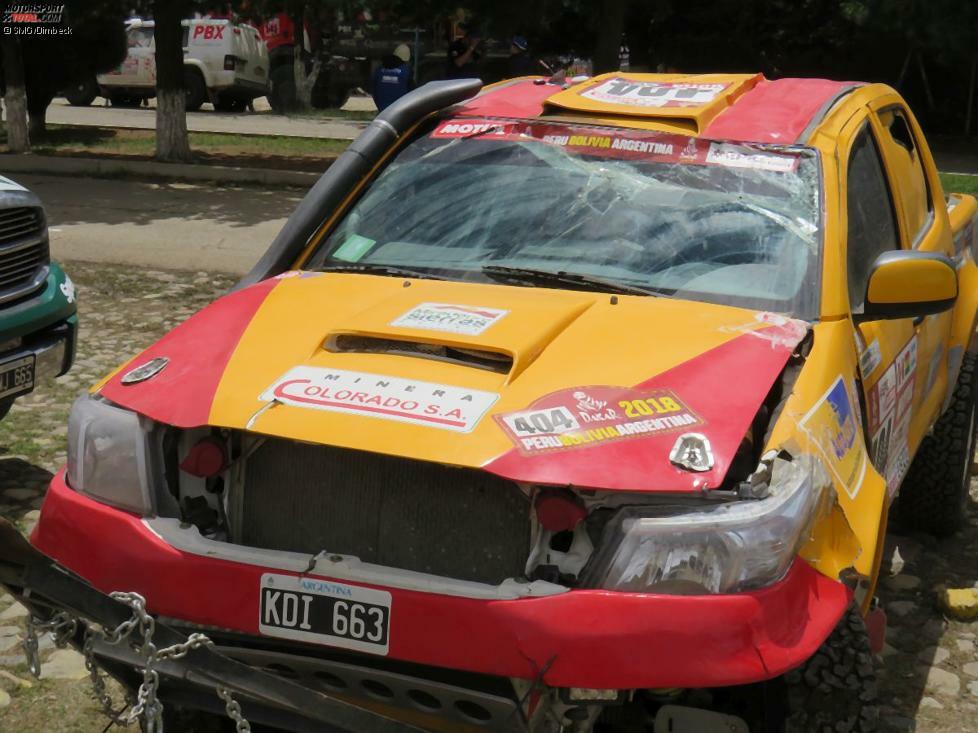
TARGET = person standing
(463,55)
(392,80)
(520,62)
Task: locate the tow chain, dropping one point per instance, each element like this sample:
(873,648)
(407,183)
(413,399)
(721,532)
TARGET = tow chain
(147,706)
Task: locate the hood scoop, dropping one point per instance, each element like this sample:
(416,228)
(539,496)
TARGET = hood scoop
(352,343)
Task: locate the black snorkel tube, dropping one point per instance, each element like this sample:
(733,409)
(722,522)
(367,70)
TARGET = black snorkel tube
(350,168)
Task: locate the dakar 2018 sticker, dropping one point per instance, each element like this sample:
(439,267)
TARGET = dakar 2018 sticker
(832,425)
(653,93)
(586,416)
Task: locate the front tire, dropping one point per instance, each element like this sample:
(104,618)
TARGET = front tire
(935,491)
(835,690)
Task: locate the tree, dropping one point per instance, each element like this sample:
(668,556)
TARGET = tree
(610,25)
(41,65)
(172,142)
(15,97)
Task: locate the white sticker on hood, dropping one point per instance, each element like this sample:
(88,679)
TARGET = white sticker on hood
(389,398)
(465,320)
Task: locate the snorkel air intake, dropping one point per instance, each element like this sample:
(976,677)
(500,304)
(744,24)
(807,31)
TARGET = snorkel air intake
(351,167)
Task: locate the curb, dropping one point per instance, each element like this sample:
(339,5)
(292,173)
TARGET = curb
(111,167)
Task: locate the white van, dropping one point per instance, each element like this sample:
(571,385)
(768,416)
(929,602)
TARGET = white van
(224,63)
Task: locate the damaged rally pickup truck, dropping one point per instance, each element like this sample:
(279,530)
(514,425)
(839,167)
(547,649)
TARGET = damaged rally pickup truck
(554,406)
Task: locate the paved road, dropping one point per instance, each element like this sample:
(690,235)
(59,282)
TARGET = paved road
(261,122)
(161,225)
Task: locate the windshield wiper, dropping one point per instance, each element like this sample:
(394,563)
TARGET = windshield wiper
(545,277)
(368,268)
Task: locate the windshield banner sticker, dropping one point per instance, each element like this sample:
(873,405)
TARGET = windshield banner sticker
(735,156)
(389,398)
(586,416)
(653,93)
(832,425)
(653,147)
(464,320)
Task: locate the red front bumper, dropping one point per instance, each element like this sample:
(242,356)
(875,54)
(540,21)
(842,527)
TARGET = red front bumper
(589,638)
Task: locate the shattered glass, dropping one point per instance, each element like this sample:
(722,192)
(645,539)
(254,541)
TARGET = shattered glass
(681,217)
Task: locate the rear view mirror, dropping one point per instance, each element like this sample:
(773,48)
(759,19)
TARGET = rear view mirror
(909,284)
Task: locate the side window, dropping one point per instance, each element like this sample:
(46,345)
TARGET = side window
(908,171)
(139,38)
(872,225)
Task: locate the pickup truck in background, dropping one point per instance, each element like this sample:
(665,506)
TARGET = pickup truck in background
(224,63)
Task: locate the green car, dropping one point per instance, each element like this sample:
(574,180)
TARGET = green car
(38,313)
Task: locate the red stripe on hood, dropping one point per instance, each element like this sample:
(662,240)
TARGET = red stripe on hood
(724,387)
(198,350)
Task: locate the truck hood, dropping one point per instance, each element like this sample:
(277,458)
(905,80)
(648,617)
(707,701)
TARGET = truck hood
(537,385)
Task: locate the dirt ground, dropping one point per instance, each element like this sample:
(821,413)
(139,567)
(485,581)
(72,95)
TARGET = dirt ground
(928,672)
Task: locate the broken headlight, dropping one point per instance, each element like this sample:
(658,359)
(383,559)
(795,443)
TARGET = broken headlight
(109,454)
(728,548)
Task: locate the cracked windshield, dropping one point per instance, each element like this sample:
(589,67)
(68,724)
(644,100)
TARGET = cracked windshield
(656,213)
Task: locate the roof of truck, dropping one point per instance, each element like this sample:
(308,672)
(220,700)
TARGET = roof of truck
(738,107)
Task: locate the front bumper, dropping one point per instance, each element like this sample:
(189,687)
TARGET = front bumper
(582,638)
(191,679)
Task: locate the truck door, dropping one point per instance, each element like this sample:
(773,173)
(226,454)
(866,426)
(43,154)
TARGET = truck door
(906,156)
(887,350)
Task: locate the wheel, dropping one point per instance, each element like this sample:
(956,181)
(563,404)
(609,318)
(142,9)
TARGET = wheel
(282,97)
(935,491)
(835,690)
(83,93)
(196,90)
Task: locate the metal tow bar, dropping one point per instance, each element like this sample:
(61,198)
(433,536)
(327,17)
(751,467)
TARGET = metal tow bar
(75,613)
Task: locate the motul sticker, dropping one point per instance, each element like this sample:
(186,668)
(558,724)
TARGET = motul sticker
(585,416)
(388,398)
(653,93)
(464,320)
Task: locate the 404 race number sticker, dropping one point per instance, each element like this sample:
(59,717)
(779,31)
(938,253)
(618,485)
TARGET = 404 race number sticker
(585,416)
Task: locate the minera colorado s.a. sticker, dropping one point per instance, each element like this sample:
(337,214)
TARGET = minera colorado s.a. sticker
(465,320)
(586,416)
(389,398)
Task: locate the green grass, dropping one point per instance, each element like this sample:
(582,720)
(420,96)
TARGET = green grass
(956,183)
(66,139)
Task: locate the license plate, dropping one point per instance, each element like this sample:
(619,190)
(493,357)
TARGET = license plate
(325,612)
(17,376)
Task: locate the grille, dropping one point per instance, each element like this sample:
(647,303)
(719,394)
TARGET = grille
(451,522)
(23,248)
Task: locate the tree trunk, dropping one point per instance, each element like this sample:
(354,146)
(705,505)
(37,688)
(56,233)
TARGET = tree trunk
(303,81)
(38,101)
(611,24)
(172,143)
(15,99)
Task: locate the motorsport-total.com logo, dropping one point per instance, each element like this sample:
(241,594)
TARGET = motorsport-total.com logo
(34,19)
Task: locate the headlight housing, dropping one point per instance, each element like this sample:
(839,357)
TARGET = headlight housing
(110,455)
(729,548)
